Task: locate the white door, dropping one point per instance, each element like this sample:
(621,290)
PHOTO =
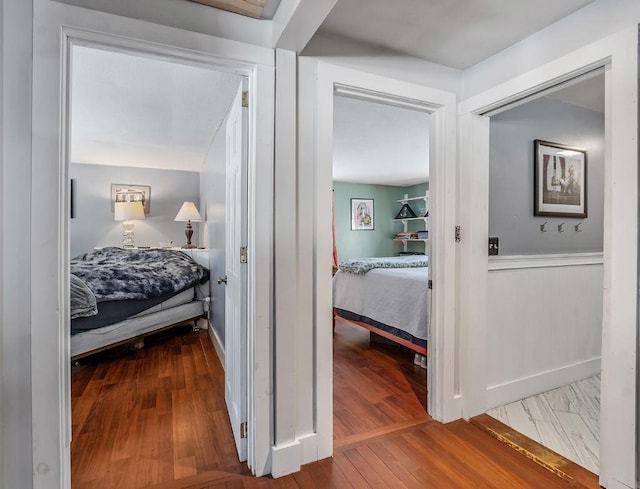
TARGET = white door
(235,358)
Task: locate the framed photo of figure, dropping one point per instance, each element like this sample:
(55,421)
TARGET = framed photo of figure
(560,180)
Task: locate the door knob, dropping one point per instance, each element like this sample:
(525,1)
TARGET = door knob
(222,280)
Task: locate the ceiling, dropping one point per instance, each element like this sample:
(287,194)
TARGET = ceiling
(455,33)
(259,9)
(379,144)
(588,93)
(134,111)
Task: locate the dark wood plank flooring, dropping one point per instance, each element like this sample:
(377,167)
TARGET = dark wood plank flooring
(376,387)
(155,418)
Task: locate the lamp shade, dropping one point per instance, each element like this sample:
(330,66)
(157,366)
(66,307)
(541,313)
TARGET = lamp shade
(188,212)
(128,211)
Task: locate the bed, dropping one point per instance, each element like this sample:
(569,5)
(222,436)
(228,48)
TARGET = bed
(388,296)
(119,295)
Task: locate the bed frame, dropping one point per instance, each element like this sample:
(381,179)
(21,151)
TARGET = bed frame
(385,334)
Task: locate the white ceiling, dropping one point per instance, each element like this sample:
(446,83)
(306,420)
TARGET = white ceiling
(379,144)
(134,111)
(588,94)
(455,33)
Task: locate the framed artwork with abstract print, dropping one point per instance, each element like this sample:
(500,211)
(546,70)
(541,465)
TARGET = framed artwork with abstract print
(560,180)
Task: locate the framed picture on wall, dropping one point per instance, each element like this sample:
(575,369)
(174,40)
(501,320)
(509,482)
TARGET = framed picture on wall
(131,193)
(560,180)
(362,214)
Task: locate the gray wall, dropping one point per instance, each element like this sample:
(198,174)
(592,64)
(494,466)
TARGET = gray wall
(212,231)
(94,224)
(511,177)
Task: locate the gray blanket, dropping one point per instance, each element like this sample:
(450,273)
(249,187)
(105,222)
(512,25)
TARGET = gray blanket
(82,300)
(360,266)
(120,274)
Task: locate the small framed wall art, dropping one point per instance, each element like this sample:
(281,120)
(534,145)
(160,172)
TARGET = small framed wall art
(131,193)
(560,180)
(362,215)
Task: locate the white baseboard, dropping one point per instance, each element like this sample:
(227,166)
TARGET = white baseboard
(309,446)
(514,390)
(217,343)
(285,459)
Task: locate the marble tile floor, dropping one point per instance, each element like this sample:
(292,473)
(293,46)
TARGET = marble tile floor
(565,419)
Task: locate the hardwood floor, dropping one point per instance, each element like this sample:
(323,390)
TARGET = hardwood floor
(155,418)
(376,388)
(152,415)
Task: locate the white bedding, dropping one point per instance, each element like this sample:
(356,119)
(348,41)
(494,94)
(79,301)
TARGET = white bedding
(397,297)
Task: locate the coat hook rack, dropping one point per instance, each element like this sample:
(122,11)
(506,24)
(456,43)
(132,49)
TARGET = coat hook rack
(577,227)
(543,227)
(561,227)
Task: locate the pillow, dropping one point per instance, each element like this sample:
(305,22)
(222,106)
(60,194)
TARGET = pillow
(83,301)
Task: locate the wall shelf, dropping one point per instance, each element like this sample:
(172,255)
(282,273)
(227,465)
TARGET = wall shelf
(412,240)
(412,219)
(405,221)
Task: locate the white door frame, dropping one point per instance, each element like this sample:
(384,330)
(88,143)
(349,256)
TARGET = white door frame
(50,377)
(618,54)
(442,402)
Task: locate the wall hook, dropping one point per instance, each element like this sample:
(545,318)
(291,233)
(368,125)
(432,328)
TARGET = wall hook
(561,227)
(577,227)
(543,227)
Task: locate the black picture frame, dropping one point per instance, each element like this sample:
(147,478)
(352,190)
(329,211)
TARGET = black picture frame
(362,214)
(560,180)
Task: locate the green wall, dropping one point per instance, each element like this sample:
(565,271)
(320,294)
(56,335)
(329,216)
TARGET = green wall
(379,241)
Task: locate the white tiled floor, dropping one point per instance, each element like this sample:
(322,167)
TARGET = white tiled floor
(565,420)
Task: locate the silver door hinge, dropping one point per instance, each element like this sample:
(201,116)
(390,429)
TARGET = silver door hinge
(243,429)
(243,254)
(245,99)
(458,238)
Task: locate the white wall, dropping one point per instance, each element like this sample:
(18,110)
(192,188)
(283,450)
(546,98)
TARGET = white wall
(212,230)
(588,25)
(94,224)
(545,324)
(15,328)
(570,47)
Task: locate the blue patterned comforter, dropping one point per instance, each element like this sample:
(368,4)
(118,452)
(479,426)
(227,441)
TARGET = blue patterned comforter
(120,274)
(360,266)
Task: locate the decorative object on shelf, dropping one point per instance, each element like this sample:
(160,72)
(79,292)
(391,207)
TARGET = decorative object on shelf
(362,215)
(560,180)
(121,192)
(128,212)
(406,212)
(423,234)
(188,212)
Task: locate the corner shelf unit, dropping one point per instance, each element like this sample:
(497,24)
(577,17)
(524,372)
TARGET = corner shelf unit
(405,221)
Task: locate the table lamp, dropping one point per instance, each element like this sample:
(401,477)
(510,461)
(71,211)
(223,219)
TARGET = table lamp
(188,212)
(128,212)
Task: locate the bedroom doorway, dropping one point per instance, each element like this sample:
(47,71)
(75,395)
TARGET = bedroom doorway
(381,219)
(545,286)
(133,125)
